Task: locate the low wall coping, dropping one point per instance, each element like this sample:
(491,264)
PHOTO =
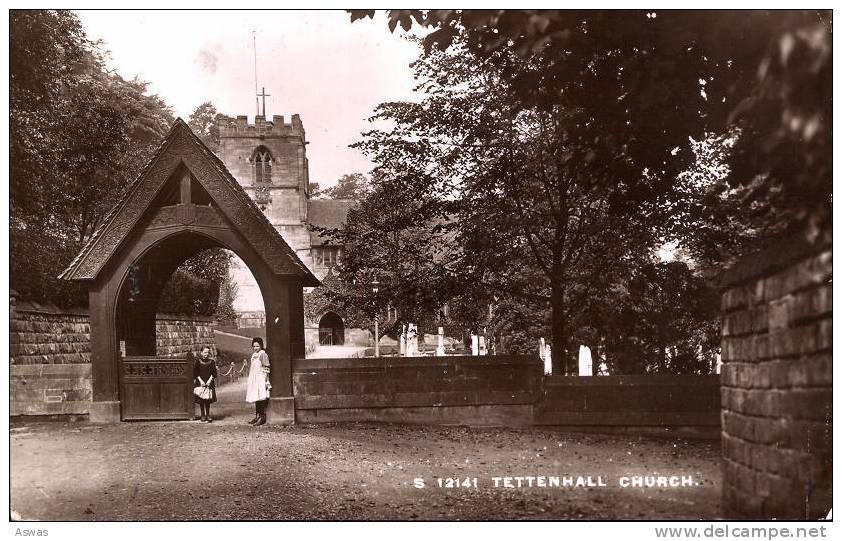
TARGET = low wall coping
(409,362)
(78,369)
(777,256)
(637,380)
(32,307)
(51,309)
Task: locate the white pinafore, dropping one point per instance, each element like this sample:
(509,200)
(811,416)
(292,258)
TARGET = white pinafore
(258,377)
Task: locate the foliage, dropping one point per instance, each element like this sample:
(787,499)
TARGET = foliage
(227,295)
(340,298)
(79,135)
(354,186)
(201,285)
(663,320)
(647,80)
(471,188)
(784,156)
(558,140)
(204,121)
(186,293)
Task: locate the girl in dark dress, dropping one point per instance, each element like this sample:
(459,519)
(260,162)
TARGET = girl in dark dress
(205,374)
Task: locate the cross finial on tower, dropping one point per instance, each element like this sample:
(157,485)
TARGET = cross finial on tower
(263,94)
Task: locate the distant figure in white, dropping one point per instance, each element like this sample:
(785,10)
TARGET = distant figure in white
(440,347)
(474,345)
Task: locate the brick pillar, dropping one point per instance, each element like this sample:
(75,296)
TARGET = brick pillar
(777,383)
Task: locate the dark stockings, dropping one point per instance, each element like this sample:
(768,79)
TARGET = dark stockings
(260,411)
(204,405)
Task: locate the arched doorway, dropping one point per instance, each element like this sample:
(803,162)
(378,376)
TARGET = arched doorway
(152,383)
(185,201)
(331,330)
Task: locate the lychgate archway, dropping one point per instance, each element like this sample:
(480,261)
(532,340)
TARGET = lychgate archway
(184,202)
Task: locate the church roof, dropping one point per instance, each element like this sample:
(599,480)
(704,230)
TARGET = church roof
(327,213)
(182,146)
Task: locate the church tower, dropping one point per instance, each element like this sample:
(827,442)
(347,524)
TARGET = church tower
(269,160)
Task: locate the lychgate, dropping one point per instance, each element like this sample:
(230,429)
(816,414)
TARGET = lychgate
(185,201)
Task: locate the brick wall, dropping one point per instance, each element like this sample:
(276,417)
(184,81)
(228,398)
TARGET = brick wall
(777,383)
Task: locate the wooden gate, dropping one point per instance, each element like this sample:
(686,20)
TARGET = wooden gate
(156,388)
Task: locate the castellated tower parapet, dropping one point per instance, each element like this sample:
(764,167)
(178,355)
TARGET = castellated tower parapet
(240,127)
(269,160)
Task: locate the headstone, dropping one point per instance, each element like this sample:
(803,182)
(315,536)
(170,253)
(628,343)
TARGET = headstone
(483,350)
(548,360)
(474,344)
(411,340)
(440,347)
(542,354)
(403,341)
(585,361)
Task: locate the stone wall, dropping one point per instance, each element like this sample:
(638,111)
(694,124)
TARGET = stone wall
(777,383)
(50,355)
(177,335)
(435,390)
(41,334)
(666,401)
(353,336)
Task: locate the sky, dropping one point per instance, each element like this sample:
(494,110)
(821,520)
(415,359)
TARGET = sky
(315,63)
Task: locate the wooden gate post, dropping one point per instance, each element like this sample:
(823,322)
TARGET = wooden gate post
(105,402)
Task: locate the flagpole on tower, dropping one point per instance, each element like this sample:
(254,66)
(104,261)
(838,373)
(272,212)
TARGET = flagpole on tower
(256,99)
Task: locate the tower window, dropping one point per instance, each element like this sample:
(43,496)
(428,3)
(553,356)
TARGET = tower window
(262,163)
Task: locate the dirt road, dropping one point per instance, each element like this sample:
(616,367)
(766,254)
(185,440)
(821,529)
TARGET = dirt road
(229,470)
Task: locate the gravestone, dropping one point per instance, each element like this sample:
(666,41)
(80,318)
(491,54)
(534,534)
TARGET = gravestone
(402,347)
(585,361)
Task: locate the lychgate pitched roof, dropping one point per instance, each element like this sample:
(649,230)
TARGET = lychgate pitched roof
(181,146)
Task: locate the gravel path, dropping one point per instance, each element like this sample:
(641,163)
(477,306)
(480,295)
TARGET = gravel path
(228,470)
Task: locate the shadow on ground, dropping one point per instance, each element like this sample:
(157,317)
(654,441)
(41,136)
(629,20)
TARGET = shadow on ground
(228,470)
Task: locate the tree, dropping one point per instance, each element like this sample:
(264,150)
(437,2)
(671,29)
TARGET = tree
(354,186)
(606,102)
(204,121)
(472,188)
(381,245)
(79,135)
(227,295)
(645,81)
(664,320)
(201,285)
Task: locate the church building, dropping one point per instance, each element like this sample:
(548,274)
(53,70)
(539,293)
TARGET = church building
(269,160)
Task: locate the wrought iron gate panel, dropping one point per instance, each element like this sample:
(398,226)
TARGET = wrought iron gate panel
(326,336)
(156,388)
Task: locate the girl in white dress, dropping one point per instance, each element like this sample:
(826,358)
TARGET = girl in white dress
(258,386)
